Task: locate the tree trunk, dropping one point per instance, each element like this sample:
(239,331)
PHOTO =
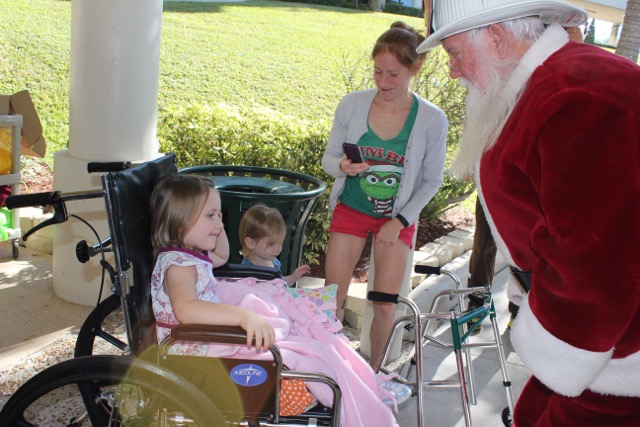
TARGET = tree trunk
(376,4)
(629,43)
(590,37)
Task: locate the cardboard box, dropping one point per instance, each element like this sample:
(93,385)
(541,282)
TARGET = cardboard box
(33,143)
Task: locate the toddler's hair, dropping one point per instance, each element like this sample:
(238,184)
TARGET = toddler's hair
(176,202)
(260,221)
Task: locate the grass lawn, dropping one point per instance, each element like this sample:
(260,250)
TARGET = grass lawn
(282,55)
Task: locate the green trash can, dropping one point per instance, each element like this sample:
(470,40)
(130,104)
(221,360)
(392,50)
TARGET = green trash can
(294,194)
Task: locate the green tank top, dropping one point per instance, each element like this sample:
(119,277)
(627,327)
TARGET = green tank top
(373,192)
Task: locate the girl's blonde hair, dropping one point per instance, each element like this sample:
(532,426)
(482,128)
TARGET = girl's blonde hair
(258,222)
(176,202)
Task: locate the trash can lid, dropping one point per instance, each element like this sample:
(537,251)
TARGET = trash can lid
(251,184)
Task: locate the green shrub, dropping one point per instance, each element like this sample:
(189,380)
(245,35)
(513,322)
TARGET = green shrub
(398,8)
(345,4)
(390,6)
(254,136)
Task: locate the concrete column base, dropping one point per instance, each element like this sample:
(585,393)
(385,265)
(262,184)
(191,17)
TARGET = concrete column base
(73,281)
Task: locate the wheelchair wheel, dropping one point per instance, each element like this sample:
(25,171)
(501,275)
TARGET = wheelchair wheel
(15,249)
(103,330)
(507,419)
(133,393)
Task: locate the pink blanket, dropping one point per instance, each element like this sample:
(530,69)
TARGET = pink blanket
(309,343)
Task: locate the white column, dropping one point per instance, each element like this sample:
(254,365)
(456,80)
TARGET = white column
(115,59)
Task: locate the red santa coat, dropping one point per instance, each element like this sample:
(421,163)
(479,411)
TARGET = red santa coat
(561,188)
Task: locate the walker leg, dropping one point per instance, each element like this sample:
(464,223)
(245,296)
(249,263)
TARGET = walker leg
(503,360)
(463,388)
(472,382)
(419,372)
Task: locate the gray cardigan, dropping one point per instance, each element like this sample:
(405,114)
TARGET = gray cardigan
(424,159)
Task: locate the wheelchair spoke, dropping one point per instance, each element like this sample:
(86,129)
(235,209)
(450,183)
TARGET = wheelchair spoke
(111,339)
(103,330)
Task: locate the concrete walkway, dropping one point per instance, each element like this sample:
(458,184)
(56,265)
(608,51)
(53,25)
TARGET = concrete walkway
(33,318)
(37,325)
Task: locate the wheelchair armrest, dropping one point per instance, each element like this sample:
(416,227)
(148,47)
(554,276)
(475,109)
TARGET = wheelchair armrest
(217,334)
(210,333)
(231,270)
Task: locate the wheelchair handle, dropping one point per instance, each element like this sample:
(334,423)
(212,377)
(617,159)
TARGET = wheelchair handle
(107,166)
(28,200)
(56,199)
(426,269)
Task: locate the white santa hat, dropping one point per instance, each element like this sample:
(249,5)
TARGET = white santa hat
(451,17)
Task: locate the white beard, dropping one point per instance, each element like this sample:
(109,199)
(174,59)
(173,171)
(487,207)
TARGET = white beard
(487,110)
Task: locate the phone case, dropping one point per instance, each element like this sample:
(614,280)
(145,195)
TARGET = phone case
(353,152)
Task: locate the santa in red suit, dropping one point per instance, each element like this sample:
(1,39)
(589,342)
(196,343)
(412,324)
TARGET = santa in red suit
(552,139)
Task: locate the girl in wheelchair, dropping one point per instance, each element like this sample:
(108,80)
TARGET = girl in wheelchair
(189,243)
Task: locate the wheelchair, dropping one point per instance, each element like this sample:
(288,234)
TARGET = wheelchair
(136,383)
(461,324)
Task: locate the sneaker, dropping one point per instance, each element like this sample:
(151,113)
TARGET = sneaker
(401,391)
(513,309)
(472,323)
(511,319)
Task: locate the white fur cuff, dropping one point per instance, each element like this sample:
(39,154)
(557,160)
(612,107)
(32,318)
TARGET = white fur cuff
(565,369)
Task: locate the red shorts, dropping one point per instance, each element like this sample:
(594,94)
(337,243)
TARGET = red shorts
(350,221)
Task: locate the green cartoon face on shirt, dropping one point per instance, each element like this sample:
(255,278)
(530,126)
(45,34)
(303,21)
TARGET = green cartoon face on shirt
(380,185)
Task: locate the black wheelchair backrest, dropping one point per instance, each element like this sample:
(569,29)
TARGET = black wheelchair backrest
(127,197)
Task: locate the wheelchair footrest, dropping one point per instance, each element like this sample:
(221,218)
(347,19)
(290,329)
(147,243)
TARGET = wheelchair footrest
(319,415)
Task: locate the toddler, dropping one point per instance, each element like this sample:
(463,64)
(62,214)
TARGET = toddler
(262,231)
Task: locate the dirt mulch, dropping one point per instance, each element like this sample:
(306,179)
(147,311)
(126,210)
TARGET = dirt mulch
(37,177)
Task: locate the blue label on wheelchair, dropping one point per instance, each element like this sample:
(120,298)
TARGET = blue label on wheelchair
(248,375)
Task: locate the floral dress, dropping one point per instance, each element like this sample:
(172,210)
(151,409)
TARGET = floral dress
(295,398)
(162,310)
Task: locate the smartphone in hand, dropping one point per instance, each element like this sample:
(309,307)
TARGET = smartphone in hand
(353,152)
